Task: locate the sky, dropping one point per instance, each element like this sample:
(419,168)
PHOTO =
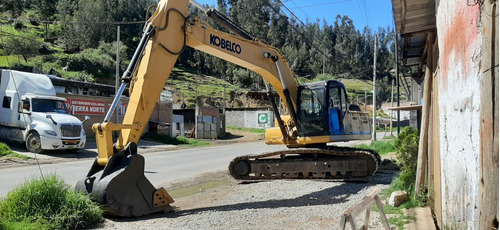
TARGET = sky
(374,13)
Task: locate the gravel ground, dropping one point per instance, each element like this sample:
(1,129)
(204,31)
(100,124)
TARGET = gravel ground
(281,204)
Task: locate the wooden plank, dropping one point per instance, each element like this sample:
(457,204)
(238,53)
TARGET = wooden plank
(342,223)
(407,108)
(367,218)
(367,200)
(488,176)
(382,213)
(436,205)
(365,205)
(424,129)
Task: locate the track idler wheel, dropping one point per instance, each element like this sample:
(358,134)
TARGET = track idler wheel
(241,168)
(122,188)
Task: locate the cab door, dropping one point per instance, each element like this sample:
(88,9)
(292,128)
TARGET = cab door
(337,107)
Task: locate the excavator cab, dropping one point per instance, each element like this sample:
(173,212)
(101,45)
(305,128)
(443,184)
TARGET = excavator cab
(322,108)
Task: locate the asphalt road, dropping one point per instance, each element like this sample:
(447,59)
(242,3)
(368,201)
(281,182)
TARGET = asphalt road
(165,164)
(162,167)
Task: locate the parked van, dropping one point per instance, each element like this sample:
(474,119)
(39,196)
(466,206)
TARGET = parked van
(32,113)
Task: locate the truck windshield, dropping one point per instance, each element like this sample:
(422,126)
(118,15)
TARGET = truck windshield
(49,106)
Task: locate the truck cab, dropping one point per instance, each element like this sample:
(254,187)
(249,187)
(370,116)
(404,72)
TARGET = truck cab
(32,113)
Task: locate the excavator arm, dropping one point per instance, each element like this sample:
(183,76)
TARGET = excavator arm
(168,31)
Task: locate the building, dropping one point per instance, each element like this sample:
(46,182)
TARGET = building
(452,49)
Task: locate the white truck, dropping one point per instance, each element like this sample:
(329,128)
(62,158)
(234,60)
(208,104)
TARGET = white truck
(32,113)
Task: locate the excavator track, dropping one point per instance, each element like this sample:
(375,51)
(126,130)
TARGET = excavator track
(332,162)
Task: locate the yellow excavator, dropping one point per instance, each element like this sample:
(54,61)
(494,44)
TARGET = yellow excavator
(317,114)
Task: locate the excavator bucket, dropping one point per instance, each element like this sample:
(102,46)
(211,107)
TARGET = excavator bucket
(121,187)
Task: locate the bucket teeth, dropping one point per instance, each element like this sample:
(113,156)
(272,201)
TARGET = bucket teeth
(122,188)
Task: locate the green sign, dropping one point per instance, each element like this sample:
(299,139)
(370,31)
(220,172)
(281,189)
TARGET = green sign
(262,118)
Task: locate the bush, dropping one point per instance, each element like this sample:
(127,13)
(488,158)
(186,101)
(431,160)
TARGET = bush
(406,155)
(48,204)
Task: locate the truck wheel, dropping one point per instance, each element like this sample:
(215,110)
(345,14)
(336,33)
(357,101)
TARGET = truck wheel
(34,143)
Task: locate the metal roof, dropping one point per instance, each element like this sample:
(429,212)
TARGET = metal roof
(415,21)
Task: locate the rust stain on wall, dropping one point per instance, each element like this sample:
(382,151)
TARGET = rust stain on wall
(462,31)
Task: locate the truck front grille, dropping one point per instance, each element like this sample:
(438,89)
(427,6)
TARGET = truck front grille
(69,130)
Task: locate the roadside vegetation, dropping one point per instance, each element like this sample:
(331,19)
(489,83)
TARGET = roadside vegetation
(48,204)
(5,151)
(382,147)
(406,146)
(253,130)
(179,140)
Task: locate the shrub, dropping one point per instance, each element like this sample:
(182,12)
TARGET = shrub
(48,203)
(406,156)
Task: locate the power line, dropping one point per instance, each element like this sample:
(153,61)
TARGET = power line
(307,40)
(362,14)
(366,13)
(321,4)
(307,16)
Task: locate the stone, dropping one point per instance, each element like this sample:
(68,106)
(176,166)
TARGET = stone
(398,198)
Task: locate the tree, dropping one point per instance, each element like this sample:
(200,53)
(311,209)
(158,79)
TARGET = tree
(15,7)
(22,43)
(383,91)
(44,8)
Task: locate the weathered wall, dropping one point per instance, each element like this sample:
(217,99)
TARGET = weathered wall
(459,41)
(248,118)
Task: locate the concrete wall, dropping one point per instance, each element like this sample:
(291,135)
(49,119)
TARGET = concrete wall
(249,118)
(459,42)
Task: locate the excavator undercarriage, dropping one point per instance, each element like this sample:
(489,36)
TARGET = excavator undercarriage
(330,162)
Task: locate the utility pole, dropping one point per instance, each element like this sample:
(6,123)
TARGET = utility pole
(374,133)
(392,102)
(397,76)
(365,98)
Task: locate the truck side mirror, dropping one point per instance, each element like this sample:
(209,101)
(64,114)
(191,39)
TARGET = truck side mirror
(20,107)
(50,117)
(86,119)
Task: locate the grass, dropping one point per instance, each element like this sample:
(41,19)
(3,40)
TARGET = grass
(5,151)
(191,86)
(253,130)
(357,86)
(180,140)
(47,204)
(382,147)
(398,217)
(6,61)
